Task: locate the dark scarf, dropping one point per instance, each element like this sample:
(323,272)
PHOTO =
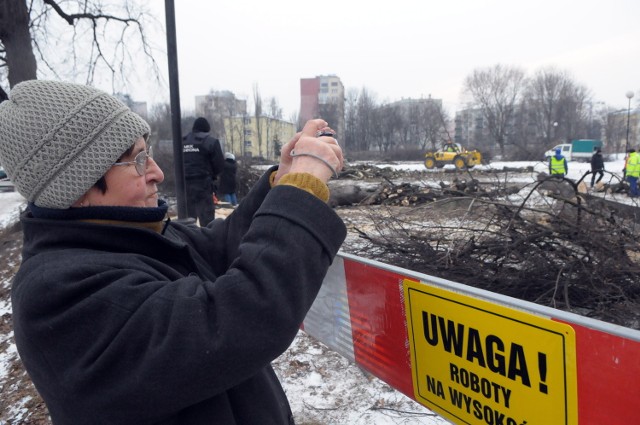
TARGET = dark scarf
(138,216)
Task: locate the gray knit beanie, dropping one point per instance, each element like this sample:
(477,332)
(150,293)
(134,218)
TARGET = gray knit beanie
(57,139)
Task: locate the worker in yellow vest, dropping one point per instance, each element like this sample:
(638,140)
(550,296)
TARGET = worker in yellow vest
(633,172)
(558,165)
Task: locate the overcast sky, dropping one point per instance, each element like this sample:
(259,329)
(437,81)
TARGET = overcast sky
(399,49)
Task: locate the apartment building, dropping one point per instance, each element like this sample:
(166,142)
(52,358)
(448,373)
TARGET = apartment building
(222,103)
(261,137)
(471,130)
(616,130)
(322,97)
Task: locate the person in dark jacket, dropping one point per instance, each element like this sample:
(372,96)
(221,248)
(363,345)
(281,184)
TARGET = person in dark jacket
(597,166)
(121,316)
(228,181)
(203,162)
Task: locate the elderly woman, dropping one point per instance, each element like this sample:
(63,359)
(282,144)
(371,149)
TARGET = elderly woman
(122,316)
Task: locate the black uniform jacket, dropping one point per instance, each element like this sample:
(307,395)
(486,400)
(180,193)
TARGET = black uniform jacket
(123,325)
(202,156)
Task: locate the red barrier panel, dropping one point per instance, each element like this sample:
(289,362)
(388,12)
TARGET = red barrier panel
(379,324)
(608,377)
(473,356)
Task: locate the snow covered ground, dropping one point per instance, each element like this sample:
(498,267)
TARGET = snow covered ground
(576,169)
(323,387)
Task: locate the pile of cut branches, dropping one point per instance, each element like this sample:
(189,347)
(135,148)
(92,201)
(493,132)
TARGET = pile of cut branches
(407,194)
(562,251)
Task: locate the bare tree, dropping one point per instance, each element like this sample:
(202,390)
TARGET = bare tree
(97,36)
(226,111)
(257,113)
(294,117)
(275,110)
(411,136)
(160,121)
(273,124)
(496,90)
(556,106)
(543,97)
(575,105)
(330,112)
(16,52)
(366,125)
(390,127)
(433,124)
(351,117)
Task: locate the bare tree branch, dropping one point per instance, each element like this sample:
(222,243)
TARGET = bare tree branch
(72,18)
(106,41)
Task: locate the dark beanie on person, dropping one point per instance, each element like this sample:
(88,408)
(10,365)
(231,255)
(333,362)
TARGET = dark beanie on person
(201,125)
(57,139)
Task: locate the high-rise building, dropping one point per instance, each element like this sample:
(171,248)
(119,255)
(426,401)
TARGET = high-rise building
(323,97)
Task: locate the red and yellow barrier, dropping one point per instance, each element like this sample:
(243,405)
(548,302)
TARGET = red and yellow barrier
(473,356)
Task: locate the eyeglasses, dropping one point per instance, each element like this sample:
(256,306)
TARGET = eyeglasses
(141,161)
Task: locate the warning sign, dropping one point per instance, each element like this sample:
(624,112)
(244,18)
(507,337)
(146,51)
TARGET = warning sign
(476,362)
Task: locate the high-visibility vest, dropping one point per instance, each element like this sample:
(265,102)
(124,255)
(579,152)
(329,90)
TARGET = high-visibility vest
(557,165)
(633,165)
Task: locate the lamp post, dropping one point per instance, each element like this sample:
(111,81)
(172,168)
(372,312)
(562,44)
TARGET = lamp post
(629,96)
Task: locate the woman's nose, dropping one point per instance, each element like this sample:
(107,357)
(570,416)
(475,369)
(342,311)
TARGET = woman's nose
(154,172)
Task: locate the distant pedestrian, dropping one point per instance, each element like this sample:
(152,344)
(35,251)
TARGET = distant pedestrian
(203,162)
(633,173)
(228,182)
(558,165)
(597,166)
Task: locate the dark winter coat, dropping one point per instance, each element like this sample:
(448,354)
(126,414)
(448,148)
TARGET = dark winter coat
(597,162)
(228,177)
(117,324)
(202,156)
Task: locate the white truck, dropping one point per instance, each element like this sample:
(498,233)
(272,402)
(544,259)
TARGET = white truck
(577,150)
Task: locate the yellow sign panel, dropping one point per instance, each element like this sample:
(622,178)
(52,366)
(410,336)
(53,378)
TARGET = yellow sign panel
(476,362)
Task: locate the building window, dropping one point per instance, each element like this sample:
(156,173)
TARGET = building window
(247,144)
(247,121)
(247,132)
(334,83)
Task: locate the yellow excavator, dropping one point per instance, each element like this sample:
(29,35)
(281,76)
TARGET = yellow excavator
(452,153)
